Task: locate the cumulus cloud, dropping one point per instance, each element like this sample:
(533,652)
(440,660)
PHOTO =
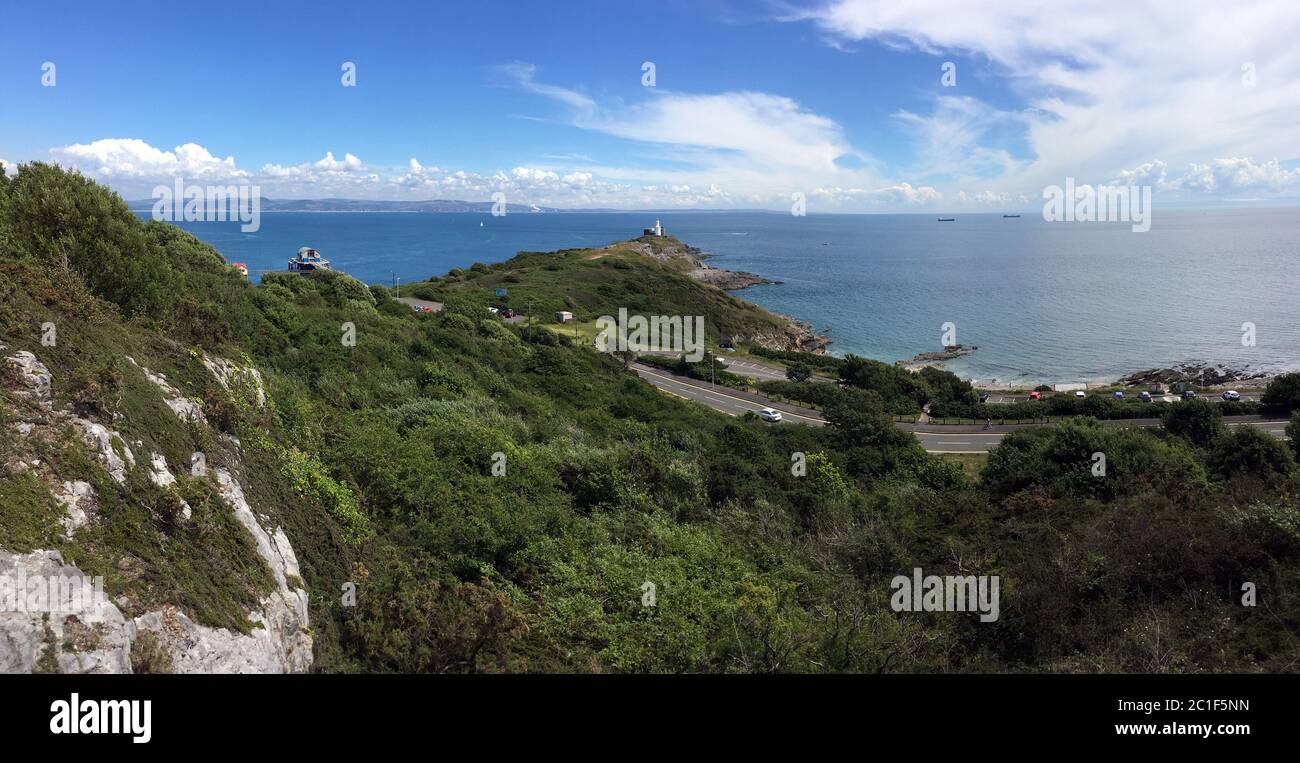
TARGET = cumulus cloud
(132,158)
(1151,173)
(1238,175)
(1233,175)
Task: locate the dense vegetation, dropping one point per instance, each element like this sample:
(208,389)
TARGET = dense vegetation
(378,460)
(595,282)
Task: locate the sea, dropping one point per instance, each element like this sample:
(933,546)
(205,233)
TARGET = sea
(1042,301)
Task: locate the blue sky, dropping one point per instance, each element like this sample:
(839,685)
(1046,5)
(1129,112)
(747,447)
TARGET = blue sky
(839,100)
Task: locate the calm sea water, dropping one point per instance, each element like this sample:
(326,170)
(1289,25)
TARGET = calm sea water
(1042,301)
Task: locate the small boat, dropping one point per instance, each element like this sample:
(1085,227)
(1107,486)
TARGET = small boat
(947,219)
(308,259)
(1011,216)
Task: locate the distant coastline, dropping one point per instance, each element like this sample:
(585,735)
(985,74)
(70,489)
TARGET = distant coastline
(883,284)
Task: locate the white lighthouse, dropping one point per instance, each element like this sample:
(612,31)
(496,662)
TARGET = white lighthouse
(658,230)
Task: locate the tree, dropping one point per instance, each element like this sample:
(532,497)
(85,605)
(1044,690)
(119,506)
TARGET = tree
(1247,450)
(798,372)
(860,419)
(1197,421)
(1293,432)
(1282,393)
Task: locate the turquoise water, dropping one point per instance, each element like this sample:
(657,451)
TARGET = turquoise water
(1042,301)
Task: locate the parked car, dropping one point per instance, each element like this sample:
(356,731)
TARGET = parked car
(1145,397)
(1080,393)
(1119,393)
(984,397)
(1232,395)
(1189,394)
(769,414)
(1035,395)
(494,311)
(507,313)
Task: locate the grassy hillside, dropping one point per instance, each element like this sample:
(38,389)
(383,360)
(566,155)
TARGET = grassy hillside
(378,459)
(593,282)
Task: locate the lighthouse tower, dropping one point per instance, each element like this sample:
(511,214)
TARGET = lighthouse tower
(659,229)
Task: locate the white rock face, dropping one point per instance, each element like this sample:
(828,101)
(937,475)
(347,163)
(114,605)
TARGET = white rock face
(94,628)
(281,645)
(182,406)
(93,636)
(229,374)
(34,376)
(159,475)
(79,499)
(100,438)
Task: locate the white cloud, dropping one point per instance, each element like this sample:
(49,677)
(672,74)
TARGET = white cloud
(999,199)
(525,75)
(768,145)
(1151,173)
(131,158)
(1239,176)
(1106,88)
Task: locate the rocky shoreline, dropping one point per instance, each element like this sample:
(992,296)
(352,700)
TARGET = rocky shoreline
(668,248)
(728,280)
(923,359)
(1200,374)
(794,334)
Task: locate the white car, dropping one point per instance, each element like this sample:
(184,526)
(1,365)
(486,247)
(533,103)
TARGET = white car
(1231,395)
(1080,393)
(769,414)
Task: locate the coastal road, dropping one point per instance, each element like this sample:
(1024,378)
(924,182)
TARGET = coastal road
(421,304)
(968,438)
(749,368)
(1000,397)
(724,399)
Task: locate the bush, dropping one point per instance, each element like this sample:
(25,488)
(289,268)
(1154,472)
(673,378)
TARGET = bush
(1197,421)
(1282,395)
(825,362)
(1293,432)
(1247,450)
